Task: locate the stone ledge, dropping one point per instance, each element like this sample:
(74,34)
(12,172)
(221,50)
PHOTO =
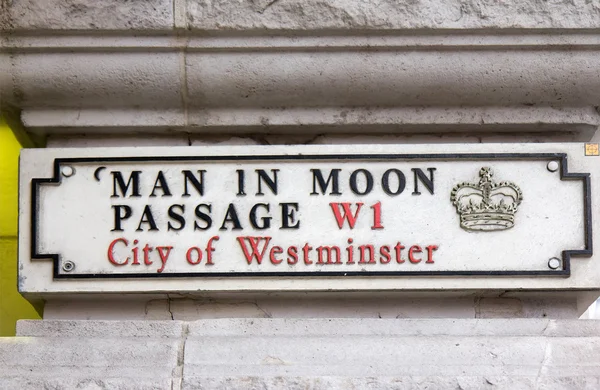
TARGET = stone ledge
(402,356)
(518,327)
(260,66)
(27,382)
(99,329)
(295,353)
(83,357)
(390,382)
(264,90)
(395,327)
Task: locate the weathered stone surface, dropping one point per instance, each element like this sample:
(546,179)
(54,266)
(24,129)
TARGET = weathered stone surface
(334,353)
(297,354)
(96,80)
(86,15)
(58,383)
(323,79)
(391,382)
(88,358)
(389,14)
(399,327)
(363,356)
(296,15)
(488,82)
(50,328)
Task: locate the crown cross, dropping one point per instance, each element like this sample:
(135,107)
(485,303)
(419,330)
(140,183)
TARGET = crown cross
(487,205)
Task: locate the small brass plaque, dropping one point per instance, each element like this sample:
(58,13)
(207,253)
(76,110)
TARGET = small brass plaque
(591,150)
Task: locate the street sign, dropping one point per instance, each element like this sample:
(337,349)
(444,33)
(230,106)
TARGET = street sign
(280,213)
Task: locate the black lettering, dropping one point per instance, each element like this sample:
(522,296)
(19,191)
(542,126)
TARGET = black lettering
(266,221)
(232,217)
(119,217)
(385,181)
(333,178)
(369,182)
(203,216)
(427,182)
(271,183)
(188,176)
(147,218)
(161,183)
(240,174)
(178,217)
(288,216)
(134,181)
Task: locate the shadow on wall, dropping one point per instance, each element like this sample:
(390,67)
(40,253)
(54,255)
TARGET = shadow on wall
(13,306)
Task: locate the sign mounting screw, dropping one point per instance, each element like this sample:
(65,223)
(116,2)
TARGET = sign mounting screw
(554,263)
(68,266)
(67,171)
(553,166)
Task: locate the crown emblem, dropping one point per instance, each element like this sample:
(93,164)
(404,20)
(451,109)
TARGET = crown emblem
(486,206)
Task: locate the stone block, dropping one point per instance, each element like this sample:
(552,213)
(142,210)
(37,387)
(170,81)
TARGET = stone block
(399,327)
(388,15)
(363,79)
(86,15)
(419,354)
(364,356)
(98,79)
(121,124)
(392,382)
(88,358)
(572,356)
(69,382)
(572,328)
(301,353)
(99,329)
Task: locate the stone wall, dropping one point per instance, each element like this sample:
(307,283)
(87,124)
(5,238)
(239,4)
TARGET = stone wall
(209,70)
(194,73)
(303,353)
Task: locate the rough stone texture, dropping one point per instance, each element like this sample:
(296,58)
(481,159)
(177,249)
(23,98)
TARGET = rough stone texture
(106,80)
(68,361)
(59,382)
(303,353)
(389,14)
(314,92)
(263,15)
(86,15)
(399,383)
(397,327)
(301,67)
(390,79)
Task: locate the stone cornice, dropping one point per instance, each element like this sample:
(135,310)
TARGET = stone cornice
(276,67)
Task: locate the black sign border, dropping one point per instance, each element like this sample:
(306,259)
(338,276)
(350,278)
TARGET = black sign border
(564,175)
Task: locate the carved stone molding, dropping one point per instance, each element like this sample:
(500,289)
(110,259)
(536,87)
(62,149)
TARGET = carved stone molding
(342,66)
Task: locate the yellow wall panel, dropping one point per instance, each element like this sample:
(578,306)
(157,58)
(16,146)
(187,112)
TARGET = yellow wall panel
(9,157)
(12,305)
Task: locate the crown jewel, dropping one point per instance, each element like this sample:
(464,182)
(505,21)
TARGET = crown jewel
(486,205)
